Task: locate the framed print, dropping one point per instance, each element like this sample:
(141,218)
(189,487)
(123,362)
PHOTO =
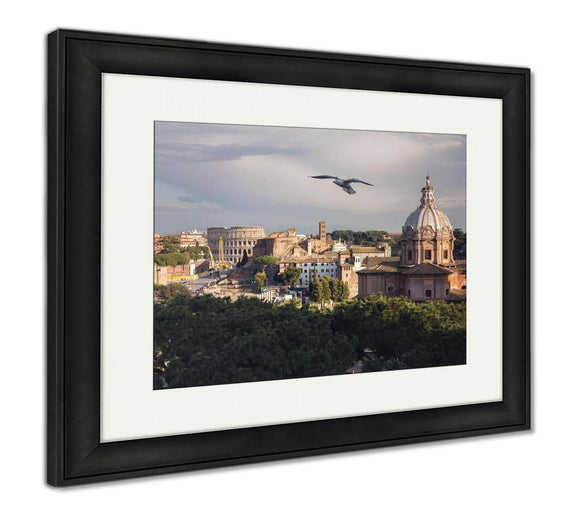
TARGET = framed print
(260,253)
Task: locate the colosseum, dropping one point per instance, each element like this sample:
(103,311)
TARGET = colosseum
(236,240)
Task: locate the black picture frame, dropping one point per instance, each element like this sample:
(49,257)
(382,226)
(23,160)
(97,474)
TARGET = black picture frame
(75,62)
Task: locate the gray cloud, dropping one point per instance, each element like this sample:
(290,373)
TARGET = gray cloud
(208,174)
(199,153)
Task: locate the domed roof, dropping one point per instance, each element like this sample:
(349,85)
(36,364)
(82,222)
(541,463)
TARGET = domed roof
(427,214)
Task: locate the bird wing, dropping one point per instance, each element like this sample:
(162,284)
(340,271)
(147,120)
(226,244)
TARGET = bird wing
(323,176)
(348,189)
(349,181)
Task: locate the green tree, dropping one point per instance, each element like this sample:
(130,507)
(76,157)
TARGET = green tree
(244,260)
(169,244)
(316,290)
(171,259)
(404,334)
(194,252)
(290,276)
(460,244)
(339,290)
(201,340)
(170,291)
(321,291)
(326,293)
(260,277)
(264,261)
(206,340)
(345,291)
(363,238)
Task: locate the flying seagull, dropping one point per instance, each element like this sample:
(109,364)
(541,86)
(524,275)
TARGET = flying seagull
(345,184)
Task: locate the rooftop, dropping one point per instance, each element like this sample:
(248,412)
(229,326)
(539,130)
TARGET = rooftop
(426,268)
(366,249)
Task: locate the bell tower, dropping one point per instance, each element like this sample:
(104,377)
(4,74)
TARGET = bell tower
(322,231)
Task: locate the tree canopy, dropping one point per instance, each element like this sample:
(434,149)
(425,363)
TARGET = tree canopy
(195,252)
(290,276)
(363,238)
(202,340)
(261,278)
(460,244)
(205,340)
(169,244)
(171,259)
(164,293)
(328,289)
(264,260)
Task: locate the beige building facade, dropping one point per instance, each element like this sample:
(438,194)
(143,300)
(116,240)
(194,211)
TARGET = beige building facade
(426,268)
(192,238)
(427,233)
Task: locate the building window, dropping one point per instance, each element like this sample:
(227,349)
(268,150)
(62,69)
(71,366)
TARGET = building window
(390,288)
(447,292)
(409,254)
(428,293)
(428,254)
(445,254)
(409,293)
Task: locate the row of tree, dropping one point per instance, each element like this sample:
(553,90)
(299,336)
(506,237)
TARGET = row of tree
(171,259)
(173,254)
(363,238)
(325,289)
(290,276)
(204,340)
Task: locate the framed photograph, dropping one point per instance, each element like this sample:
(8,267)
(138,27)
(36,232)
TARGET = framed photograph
(260,253)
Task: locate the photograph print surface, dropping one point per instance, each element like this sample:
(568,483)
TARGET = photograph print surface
(289,252)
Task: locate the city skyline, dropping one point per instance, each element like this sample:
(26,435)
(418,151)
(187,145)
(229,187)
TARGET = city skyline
(210,175)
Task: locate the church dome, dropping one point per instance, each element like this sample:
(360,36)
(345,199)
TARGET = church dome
(427,214)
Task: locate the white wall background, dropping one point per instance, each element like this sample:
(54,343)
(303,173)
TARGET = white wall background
(517,470)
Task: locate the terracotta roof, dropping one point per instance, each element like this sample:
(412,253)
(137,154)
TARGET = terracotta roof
(374,261)
(379,269)
(366,249)
(426,268)
(310,259)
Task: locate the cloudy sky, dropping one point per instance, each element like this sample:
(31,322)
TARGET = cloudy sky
(210,175)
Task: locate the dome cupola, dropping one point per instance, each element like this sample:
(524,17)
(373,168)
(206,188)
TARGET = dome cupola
(427,233)
(427,214)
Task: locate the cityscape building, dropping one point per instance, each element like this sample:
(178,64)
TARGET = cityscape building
(192,238)
(236,241)
(426,268)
